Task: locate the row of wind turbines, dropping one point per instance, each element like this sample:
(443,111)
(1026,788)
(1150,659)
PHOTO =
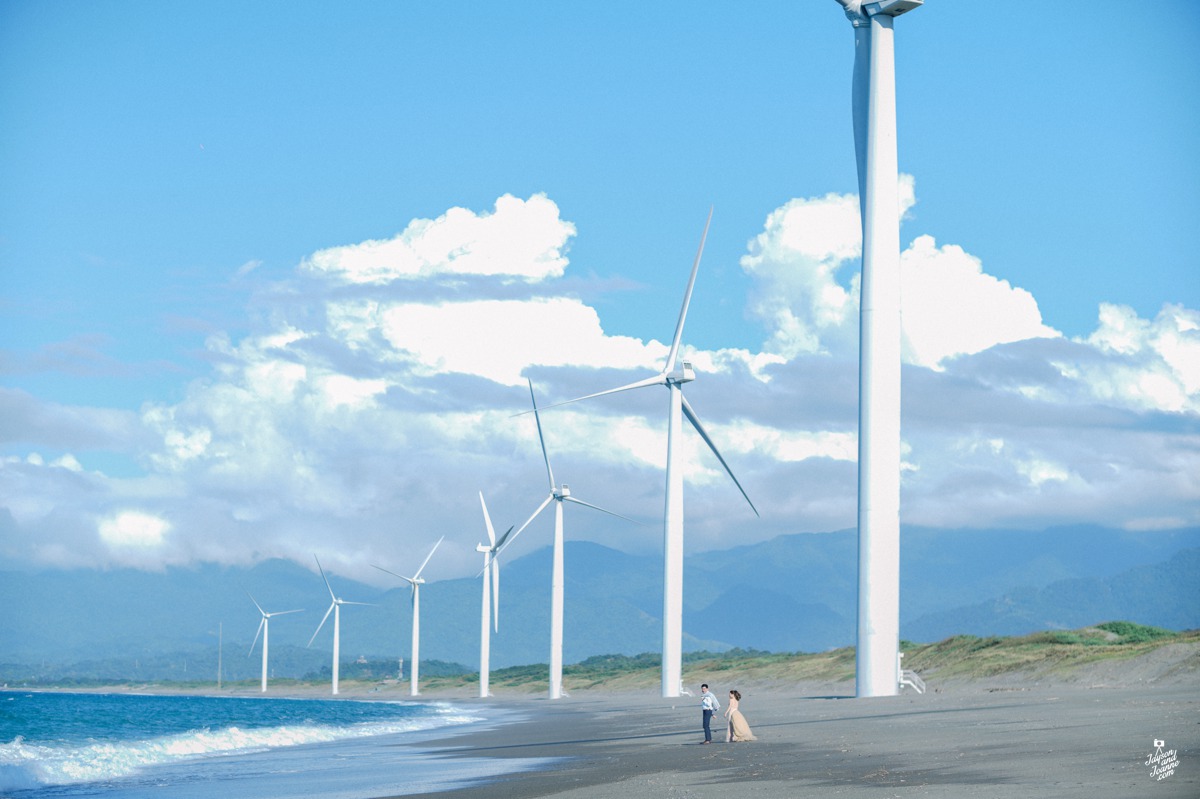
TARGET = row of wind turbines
(335,607)
(877,651)
(672,376)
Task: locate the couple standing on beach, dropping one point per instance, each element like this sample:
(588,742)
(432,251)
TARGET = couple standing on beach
(737,729)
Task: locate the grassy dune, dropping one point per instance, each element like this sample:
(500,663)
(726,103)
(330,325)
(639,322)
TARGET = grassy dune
(1049,655)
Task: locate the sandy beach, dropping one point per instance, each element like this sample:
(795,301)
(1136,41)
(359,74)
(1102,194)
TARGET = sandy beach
(973,740)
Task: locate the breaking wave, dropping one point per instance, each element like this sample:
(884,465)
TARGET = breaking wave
(25,765)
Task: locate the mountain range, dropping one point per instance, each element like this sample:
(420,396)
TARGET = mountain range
(792,593)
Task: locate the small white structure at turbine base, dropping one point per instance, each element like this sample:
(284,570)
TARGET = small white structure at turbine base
(874,111)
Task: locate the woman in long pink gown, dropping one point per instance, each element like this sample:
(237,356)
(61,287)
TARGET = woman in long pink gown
(738,730)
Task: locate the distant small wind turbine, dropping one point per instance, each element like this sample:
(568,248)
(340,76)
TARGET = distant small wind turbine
(873,106)
(674,378)
(416,582)
(264,627)
(491,595)
(559,495)
(335,607)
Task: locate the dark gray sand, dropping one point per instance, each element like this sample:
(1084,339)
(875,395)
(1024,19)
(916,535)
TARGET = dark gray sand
(1042,740)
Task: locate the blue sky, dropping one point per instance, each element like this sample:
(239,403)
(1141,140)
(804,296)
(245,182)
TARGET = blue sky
(169,170)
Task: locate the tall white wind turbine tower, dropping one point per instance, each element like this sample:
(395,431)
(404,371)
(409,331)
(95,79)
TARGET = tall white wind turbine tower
(491,595)
(416,581)
(335,607)
(264,628)
(673,375)
(874,109)
(559,495)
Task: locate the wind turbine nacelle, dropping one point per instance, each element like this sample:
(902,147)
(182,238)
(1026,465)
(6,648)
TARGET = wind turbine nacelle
(482,548)
(890,8)
(684,374)
(566,490)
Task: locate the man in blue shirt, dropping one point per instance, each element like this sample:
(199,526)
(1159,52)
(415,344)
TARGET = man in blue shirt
(709,705)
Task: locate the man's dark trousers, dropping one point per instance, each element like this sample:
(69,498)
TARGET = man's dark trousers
(707,725)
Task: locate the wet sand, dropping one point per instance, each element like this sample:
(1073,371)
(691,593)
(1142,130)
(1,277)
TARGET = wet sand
(1043,740)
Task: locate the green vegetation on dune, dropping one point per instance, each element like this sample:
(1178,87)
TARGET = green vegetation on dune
(959,657)
(1046,652)
(1130,633)
(368,670)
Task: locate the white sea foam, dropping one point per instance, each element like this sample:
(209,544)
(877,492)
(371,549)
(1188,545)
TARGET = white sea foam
(25,765)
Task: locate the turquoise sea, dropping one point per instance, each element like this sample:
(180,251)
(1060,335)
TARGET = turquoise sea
(132,746)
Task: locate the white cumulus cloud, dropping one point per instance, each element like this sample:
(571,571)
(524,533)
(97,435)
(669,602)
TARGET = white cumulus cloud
(805,266)
(133,529)
(1156,363)
(498,339)
(795,262)
(520,239)
(950,306)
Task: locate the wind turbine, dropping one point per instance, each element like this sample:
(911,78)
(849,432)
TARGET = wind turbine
(558,494)
(874,109)
(673,376)
(491,595)
(335,607)
(264,627)
(416,582)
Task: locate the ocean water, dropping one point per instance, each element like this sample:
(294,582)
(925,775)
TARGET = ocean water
(133,746)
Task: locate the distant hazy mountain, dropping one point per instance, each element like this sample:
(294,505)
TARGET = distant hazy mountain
(1164,594)
(793,593)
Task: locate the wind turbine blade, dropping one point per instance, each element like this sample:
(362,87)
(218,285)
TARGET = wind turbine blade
(540,508)
(687,299)
(326,579)
(494,552)
(503,538)
(691,415)
(368,604)
(322,624)
(860,90)
(427,557)
(255,601)
(541,439)
(597,507)
(254,643)
(401,576)
(487,520)
(851,6)
(285,612)
(658,379)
